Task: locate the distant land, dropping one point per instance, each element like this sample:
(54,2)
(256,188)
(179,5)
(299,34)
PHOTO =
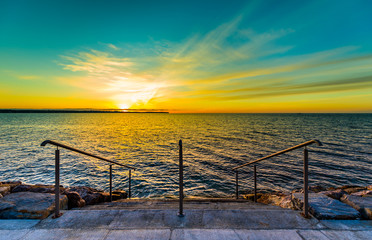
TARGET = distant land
(82,111)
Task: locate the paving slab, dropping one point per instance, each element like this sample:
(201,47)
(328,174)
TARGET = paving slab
(13,234)
(347,235)
(348,224)
(12,224)
(202,234)
(127,219)
(255,219)
(60,234)
(80,220)
(312,235)
(144,234)
(266,235)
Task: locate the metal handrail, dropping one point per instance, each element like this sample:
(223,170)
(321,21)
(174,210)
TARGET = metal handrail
(281,152)
(305,173)
(82,152)
(57,175)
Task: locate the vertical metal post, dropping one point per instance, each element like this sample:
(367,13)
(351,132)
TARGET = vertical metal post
(236,184)
(56,186)
(306,183)
(110,182)
(180,213)
(255,183)
(130,184)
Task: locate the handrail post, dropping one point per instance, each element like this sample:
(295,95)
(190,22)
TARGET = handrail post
(306,183)
(56,186)
(110,182)
(236,184)
(180,213)
(255,183)
(130,184)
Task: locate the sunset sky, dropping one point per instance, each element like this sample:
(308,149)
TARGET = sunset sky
(187,56)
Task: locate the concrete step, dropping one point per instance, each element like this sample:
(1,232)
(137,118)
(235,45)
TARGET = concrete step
(173,204)
(168,219)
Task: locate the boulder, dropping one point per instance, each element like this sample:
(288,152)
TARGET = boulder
(335,194)
(317,188)
(122,193)
(323,207)
(251,196)
(10,184)
(106,196)
(21,188)
(35,188)
(29,205)
(4,190)
(4,205)
(353,189)
(287,202)
(74,200)
(270,199)
(90,195)
(361,204)
(281,200)
(364,193)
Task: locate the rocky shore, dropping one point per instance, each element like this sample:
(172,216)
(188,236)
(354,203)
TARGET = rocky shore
(346,202)
(19,200)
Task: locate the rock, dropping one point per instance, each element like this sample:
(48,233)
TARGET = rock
(90,195)
(74,200)
(323,207)
(4,190)
(43,188)
(1,195)
(123,194)
(270,199)
(106,197)
(251,196)
(21,188)
(369,187)
(317,189)
(335,194)
(29,205)
(362,204)
(287,202)
(40,188)
(352,189)
(364,193)
(4,205)
(10,184)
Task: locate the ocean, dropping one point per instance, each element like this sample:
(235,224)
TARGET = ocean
(212,144)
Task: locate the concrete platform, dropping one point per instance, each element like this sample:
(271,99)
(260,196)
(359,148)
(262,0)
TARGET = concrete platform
(159,220)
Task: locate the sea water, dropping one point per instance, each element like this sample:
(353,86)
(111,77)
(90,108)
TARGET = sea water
(213,144)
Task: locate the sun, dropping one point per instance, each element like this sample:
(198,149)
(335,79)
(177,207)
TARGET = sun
(123,106)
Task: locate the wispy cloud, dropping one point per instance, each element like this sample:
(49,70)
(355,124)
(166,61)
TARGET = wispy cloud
(226,64)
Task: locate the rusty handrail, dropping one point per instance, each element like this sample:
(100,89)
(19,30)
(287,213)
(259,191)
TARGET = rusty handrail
(281,152)
(305,173)
(82,152)
(57,173)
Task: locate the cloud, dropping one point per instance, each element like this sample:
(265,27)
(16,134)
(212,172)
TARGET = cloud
(28,77)
(112,46)
(229,63)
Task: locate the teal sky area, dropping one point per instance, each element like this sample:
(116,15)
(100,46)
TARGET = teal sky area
(187,56)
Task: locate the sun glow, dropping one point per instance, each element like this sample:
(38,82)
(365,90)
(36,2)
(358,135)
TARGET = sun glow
(123,106)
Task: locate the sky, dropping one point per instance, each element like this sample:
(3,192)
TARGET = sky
(187,56)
